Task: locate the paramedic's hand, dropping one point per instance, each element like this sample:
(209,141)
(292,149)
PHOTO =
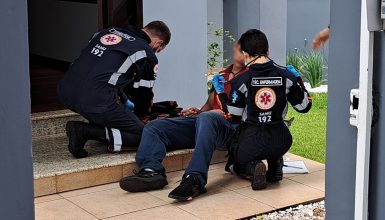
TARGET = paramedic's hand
(292,70)
(218,83)
(190,112)
(129,105)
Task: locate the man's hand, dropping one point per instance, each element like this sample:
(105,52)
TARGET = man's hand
(292,70)
(129,105)
(190,112)
(320,39)
(218,83)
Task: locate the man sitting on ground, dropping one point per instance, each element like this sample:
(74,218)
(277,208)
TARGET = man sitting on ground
(202,128)
(210,130)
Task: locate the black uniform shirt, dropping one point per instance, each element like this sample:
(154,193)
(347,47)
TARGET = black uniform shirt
(260,95)
(113,59)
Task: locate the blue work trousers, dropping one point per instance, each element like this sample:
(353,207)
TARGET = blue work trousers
(205,133)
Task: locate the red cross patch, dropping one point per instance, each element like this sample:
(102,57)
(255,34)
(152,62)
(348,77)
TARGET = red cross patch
(110,39)
(265,98)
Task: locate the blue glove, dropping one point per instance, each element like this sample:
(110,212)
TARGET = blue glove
(218,83)
(129,105)
(292,70)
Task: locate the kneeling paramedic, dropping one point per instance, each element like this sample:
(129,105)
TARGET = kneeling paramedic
(115,59)
(261,98)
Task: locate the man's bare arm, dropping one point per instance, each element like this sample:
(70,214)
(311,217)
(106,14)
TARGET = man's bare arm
(321,38)
(206,107)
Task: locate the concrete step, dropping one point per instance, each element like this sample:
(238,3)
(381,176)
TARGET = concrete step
(55,170)
(52,122)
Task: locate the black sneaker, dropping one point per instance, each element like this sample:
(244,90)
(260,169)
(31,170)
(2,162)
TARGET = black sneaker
(274,173)
(229,167)
(144,180)
(258,180)
(189,188)
(76,142)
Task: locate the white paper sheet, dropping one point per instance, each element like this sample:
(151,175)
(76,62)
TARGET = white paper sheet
(294,167)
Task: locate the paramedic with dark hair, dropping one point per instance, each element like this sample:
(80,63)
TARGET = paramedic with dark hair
(260,99)
(114,59)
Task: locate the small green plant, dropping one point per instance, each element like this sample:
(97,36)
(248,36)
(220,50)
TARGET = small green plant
(216,38)
(313,68)
(310,65)
(294,59)
(214,51)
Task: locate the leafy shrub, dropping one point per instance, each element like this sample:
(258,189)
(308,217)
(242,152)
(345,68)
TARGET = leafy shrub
(214,51)
(216,38)
(313,68)
(310,65)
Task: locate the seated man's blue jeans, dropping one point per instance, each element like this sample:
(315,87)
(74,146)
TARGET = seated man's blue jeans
(205,133)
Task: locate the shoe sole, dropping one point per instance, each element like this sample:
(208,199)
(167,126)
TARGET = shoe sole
(138,184)
(184,199)
(259,177)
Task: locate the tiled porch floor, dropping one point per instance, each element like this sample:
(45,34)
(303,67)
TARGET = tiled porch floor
(228,197)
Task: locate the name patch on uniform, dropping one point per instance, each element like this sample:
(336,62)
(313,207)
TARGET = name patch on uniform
(110,39)
(121,34)
(265,98)
(266,81)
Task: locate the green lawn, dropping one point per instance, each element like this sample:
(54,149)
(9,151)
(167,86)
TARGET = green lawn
(309,130)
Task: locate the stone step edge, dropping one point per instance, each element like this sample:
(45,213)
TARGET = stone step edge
(52,115)
(128,161)
(104,175)
(50,123)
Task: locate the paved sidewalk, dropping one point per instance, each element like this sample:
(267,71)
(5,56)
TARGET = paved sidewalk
(228,197)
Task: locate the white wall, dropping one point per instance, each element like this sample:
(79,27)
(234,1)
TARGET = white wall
(248,15)
(238,17)
(215,15)
(305,18)
(273,22)
(183,64)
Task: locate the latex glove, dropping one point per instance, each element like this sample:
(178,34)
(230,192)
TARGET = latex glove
(129,105)
(292,70)
(218,83)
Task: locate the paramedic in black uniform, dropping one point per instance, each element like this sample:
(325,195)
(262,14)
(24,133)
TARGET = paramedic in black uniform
(262,95)
(114,59)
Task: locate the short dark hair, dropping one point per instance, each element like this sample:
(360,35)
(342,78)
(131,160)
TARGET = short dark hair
(159,29)
(254,42)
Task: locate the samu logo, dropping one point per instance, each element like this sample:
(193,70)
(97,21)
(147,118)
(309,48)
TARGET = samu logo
(234,96)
